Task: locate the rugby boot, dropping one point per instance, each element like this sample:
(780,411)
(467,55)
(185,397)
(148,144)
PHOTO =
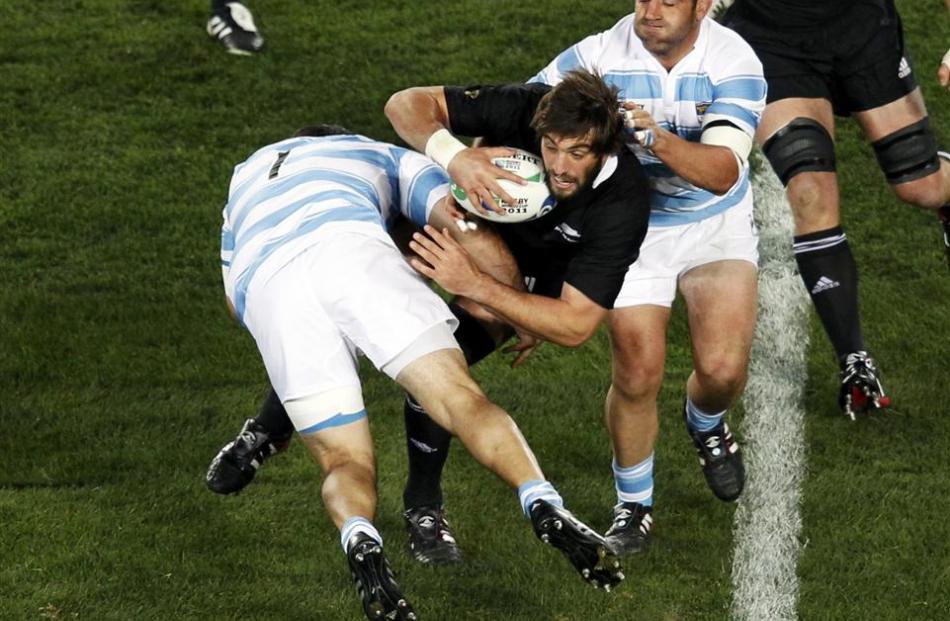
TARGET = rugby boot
(233,25)
(380,594)
(861,389)
(235,465)
(630,532)
(587,551)
(430,538)
(720,459)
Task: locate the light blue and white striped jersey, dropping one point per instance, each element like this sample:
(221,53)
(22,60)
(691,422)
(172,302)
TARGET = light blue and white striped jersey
(720,79)
(289,195)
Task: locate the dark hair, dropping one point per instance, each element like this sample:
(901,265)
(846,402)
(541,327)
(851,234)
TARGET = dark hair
(579,104)
(323,129)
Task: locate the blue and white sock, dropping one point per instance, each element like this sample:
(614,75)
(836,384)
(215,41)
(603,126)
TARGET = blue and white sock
(699,420)
(358,525)
(635,483)
(538,490)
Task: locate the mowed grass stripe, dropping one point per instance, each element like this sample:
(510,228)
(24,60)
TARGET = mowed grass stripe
(768,520)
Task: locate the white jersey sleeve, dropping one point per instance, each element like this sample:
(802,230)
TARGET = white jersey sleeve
(738,84)
(422,184)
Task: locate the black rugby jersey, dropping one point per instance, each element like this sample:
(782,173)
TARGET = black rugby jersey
(588,240)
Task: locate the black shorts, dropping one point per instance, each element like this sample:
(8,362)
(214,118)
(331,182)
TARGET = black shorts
(857,61)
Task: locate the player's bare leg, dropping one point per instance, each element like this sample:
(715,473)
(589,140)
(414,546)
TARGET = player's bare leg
(638,343)
(721,299)
(345,455)
(440,382)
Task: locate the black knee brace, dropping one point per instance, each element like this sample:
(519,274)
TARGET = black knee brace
(802,145)
(909,153)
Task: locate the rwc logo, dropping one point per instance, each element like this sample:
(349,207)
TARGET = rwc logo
(520,206)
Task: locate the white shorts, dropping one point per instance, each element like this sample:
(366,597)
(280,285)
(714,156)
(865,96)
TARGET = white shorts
(668,252)
(349,294)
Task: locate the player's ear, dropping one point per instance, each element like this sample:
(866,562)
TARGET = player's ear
(702,8)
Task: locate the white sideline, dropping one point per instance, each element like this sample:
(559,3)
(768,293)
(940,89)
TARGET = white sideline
(767,521)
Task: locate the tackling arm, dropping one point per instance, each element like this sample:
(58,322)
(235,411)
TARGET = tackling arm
(420,116)
(569,320)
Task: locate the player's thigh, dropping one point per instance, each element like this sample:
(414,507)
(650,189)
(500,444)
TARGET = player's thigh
(376,300)
(720,287)
(884,120)
(722,302)
(641,312)
(906,149)
(779,114)
(303,350)
(439,380)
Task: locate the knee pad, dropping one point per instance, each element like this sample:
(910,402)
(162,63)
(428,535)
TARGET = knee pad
(909,153)
(801,146)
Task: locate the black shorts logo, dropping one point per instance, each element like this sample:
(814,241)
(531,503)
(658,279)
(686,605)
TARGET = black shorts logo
(903,69)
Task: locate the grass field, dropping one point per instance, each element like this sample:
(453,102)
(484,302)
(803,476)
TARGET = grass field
(121,375)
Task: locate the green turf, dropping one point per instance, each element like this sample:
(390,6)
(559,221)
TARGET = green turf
(121,374)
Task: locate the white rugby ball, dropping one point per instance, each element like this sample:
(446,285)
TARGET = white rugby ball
(532,200)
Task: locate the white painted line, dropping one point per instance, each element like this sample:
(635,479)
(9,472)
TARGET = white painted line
(768,521)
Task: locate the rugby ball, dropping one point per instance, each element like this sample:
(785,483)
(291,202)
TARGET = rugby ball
(532,200)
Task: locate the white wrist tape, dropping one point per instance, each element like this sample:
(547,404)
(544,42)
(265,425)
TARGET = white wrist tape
(946,59)
(442,146)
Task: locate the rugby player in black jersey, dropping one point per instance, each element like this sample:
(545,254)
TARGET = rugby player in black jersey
(823,59)
(574,257)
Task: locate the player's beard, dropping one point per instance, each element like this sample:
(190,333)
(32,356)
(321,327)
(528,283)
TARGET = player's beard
(580,184)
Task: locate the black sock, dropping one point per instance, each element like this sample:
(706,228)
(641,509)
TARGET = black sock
(273,417)
(831,278)
(428,446)
(427,442)
(218,5)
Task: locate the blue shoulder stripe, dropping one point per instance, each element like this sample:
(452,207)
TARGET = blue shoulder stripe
(749,88)
(738,112)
